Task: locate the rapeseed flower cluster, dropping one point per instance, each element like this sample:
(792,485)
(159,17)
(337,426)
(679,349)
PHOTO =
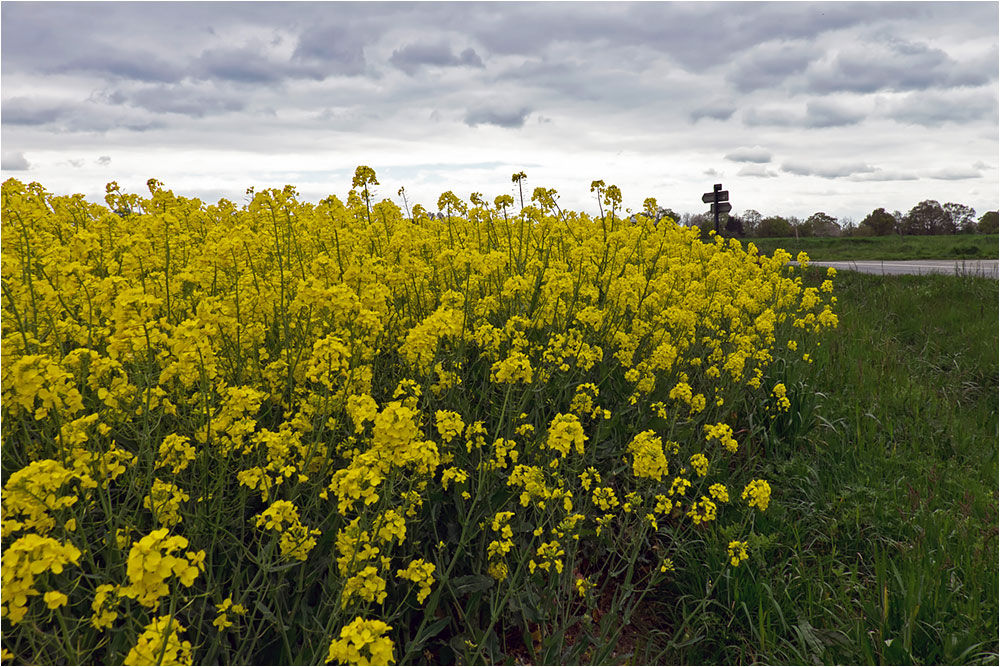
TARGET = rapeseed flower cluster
(363,642)
(160,644)
(331,405)
(151,561)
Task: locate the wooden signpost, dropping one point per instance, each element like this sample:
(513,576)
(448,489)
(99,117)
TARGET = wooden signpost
(719,199)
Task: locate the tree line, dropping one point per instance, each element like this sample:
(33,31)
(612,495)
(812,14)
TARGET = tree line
(926,218)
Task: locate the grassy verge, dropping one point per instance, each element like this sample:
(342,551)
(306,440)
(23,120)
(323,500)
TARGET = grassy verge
(977,246)
(882,546)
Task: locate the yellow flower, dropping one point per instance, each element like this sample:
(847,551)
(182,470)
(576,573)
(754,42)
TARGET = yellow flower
(757,493)
(160,644)
(421,573)
(648,458)
(737,552)
(55,599)
(363,642)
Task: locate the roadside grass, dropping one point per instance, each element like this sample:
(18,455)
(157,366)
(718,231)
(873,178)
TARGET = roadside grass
(961,246)
(881,545)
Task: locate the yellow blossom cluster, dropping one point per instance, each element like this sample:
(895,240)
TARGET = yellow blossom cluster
(160,644)
(151,561)
(363,642)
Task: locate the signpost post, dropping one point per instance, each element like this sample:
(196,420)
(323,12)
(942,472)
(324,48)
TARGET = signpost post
(719,199)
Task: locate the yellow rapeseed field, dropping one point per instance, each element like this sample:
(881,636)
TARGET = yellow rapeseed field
(292,432)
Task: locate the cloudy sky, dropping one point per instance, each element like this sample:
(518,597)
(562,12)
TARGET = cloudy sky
(793,107)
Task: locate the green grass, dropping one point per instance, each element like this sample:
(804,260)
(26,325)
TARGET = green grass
(881,542)
(962,246)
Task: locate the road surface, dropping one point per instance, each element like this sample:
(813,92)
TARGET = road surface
(986,268)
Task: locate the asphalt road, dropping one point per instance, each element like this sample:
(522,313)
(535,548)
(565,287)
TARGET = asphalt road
(986,268)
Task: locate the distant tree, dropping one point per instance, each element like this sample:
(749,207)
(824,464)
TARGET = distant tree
(798,229)
(733,224)
(988,223)
(962,218)
(847,226)
(927,217)
(879,222)
(703,221)
(821,224)
(774,226)
(662,213)
(900,220)
(751,220)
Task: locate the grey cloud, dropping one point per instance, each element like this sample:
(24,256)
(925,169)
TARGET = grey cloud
(770,65)
(896,65)
(31,111)
(135,65)
(931,109)
(337,49)
(818,114)
(755,154)
(678,30)
(826,171)
(825,114)
(500,118)
(183,100)
(720,111)
(412,56)
(13,161)
(104,160)
(770,116)
(249,65)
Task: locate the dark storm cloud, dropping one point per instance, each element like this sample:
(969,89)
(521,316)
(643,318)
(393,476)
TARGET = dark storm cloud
(755,154)
(412,56)
(500,118)
(13,161)
(896,65)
